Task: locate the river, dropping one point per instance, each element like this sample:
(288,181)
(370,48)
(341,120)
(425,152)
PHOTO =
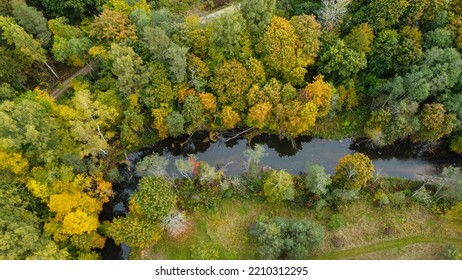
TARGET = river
(405,160)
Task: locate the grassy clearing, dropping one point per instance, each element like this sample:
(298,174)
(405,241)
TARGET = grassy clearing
(368,229)
(226,228)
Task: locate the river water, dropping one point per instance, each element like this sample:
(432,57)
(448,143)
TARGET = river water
(402,160)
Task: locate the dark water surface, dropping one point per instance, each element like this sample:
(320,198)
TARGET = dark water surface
(402,160)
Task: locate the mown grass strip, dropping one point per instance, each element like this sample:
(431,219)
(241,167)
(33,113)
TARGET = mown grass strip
(385,245)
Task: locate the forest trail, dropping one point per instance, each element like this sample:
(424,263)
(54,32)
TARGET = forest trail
(65,85)
(218,13)
(385,245)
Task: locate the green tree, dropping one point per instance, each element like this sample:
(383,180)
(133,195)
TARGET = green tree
(127,67)
(258,15)
(341,62)
(381,14)
(176,57)
(7,92)
(30,126)
(224,35)
(21,234)
(156,40)
(132,124)
(360,38)
(317,180)
(281,238)
(31,20)
(70,44)
(27,49)
(154,198)
(73,10)
(175,123)
(193,111)
(279,186)
(153,165)
(133,231)
(159,90)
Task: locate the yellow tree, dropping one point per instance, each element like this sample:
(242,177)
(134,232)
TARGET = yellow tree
(320,93)
(209,102)
(229,117)
(279,50)
(90,122)
(113,27)
(353,171)
(231,82)
(159,122)
(295,118)
(260,114)
(435,123)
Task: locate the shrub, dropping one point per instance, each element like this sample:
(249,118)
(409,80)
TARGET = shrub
(204,251)
(175,223)
(281,238)
(336,221)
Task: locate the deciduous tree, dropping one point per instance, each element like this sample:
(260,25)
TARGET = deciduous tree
(279,186)
(353,171)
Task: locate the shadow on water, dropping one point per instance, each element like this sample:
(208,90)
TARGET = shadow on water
(408,160)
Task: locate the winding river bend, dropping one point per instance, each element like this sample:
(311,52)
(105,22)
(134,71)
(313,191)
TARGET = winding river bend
(402,160)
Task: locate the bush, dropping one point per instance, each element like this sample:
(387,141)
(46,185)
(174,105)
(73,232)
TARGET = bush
(450,252)
(398,199)
(175,223)
(281,238)
(336,221)
(204,251)
(381,198)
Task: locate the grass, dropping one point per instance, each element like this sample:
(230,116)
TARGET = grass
(367,230)
(391,245)
(226,228)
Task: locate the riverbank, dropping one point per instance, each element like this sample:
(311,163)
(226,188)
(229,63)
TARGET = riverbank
(220,220)
(225,230)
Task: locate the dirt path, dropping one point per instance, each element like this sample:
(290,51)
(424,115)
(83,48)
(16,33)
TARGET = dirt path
(385,245)
(65,85)
(218,13)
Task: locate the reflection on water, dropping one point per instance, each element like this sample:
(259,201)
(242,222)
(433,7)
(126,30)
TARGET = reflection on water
(402,160)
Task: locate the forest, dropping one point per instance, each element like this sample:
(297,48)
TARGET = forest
(85,83)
